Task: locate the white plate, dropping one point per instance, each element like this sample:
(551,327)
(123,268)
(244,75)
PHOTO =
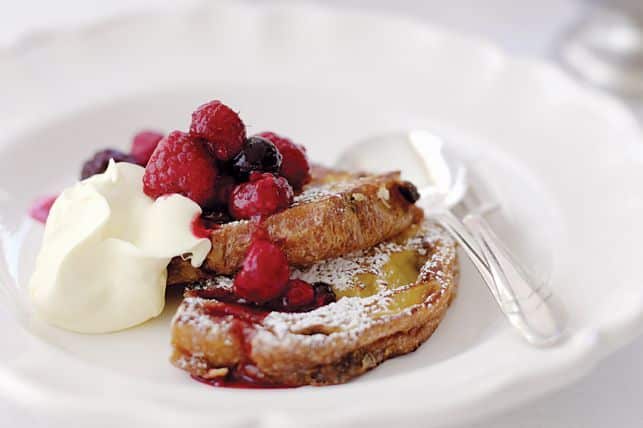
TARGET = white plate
(565,161)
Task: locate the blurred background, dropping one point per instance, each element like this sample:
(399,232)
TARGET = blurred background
(599,42)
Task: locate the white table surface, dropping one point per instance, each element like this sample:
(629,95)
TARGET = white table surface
(612,395)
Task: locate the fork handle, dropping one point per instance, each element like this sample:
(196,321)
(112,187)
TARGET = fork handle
(529,306)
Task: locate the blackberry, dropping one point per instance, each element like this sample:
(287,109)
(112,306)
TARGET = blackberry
(98,163)
(258,154)
(294,165)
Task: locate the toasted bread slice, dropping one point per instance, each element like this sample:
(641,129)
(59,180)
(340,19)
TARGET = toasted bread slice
(338,214)
(390,299)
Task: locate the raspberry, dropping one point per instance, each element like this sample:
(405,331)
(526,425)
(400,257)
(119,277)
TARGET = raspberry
(180,164)
(221,128)
(299,294)
(98,163)
(258,154)
(264,195)
(294,165)
(143,146)
(264,275)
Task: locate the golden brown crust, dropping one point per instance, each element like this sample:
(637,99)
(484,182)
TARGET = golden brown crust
(339,218)
(347,367)
(329,345)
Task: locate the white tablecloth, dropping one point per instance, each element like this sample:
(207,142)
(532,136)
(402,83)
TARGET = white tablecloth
(612,395)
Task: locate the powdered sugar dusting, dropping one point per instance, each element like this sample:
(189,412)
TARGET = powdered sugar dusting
(221,282)
(329,190)
(337,272)
(313,194)
(195,361)
(340,272)
(346,319)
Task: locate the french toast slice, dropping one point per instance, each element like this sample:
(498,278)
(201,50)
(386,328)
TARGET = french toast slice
(337,214)
(390,299)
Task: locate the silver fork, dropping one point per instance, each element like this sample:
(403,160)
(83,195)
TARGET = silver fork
(527,305)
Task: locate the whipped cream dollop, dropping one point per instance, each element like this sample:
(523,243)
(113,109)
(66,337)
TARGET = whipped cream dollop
(103,262)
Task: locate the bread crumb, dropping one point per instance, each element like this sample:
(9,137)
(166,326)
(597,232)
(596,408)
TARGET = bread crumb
(216,373)
(384,195)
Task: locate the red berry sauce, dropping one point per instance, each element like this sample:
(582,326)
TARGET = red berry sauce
(249,314)
(245,374)
(199,228)
(237,378)
(39,211)
(299,295)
